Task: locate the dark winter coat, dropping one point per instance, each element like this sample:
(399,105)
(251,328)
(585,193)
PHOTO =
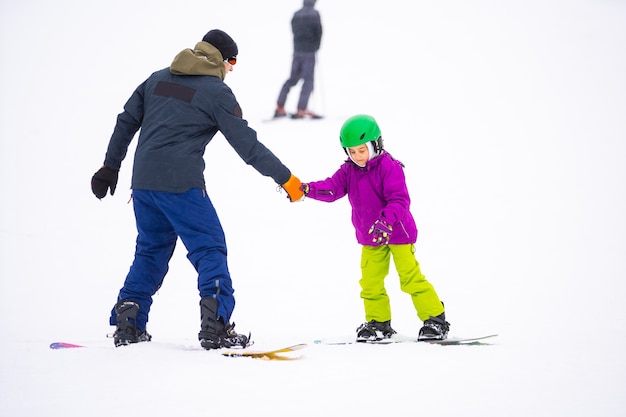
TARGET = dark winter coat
(306,26)
(179,109)
(375,191)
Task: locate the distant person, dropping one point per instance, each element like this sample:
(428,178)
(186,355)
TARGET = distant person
(375,185)
(178,110)
(307,36)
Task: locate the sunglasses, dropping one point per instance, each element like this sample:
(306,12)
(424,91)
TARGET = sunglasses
(232,60)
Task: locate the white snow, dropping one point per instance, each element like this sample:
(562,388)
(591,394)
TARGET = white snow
(510,117)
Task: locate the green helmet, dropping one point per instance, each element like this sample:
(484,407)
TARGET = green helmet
(361,129)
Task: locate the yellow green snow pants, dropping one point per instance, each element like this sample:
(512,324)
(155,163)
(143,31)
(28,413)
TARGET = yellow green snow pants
(374,270)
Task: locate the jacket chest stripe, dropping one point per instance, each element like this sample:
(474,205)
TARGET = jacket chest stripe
(177,91)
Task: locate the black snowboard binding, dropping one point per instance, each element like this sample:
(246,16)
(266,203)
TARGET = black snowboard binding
(214,333)
(126,331)
(374,331)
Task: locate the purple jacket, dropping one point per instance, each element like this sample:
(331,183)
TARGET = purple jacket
(376,191)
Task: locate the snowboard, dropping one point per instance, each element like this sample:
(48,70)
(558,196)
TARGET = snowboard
(65,345)
(451,341)
(277,354)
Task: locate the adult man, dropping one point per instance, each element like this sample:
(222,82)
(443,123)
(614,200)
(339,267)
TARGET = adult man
(307,36)
(179,110)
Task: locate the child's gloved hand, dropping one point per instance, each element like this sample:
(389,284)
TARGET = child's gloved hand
(381,232)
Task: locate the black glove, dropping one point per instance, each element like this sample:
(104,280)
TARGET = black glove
(102,180)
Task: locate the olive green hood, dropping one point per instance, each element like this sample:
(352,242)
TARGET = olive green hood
(204,59)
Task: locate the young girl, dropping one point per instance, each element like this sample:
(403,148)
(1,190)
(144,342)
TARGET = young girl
(376,188)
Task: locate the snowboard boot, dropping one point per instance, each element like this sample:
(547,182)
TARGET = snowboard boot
(126,331)
(435,328)
(280,112)
(373,331)
(214,333)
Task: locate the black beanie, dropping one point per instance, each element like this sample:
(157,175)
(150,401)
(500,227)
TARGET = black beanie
(224,43)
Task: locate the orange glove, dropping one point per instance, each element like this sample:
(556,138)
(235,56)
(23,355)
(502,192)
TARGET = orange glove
(292,187)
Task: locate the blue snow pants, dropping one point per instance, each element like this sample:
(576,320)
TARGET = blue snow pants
(161,218)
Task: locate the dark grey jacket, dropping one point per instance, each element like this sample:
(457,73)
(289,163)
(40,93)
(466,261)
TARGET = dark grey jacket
(306,26)
(179,109)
